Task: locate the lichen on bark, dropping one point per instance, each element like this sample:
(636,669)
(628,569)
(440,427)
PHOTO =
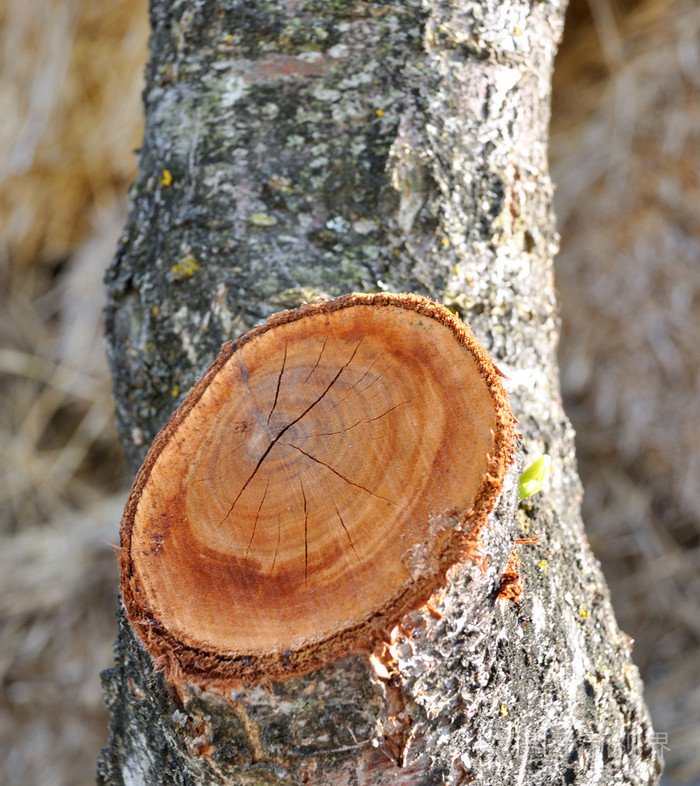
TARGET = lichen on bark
(316,148)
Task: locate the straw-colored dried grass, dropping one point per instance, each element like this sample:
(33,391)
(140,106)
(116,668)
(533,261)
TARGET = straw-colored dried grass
(626,156)
(67,133)
(71,117)
(57,597)
(69,99)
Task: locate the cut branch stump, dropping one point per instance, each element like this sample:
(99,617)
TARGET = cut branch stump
(316,485)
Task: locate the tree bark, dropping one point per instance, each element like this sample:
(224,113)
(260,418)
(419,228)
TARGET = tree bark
(306,149)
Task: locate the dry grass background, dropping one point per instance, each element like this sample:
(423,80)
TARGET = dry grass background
(70,79)
(625,152)
(626,157)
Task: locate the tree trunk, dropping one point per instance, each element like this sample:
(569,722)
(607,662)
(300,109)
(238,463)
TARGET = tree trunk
(304,149)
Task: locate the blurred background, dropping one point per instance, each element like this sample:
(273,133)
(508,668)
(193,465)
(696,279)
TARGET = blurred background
(625,154)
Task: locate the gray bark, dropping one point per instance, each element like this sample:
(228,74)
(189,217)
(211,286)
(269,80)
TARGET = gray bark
(317,148)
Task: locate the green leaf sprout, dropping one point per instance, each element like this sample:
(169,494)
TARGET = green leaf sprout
(533,478)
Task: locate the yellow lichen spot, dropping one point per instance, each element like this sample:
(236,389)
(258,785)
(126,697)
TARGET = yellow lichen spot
(542,564)
(154,311)
(164,68)
(380,113)
(262,220)
(582,611)
(184,268)
(503,710)
(175,391)
(166,179)
(455,270)
(229,37)
(518,30)
(445,241)
(396,251)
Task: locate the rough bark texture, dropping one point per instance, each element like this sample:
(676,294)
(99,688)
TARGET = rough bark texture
(306,148)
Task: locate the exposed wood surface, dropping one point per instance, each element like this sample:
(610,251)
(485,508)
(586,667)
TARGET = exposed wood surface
(315,485)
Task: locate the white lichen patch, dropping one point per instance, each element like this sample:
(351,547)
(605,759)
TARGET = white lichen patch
(538,614)
(579,663)
(137,768)
(339,51)
(233,89)
(326,94)
(364,226)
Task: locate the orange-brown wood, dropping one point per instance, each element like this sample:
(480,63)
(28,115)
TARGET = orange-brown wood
(315,485)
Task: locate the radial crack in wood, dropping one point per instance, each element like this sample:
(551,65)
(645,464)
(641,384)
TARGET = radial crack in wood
(315,486)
